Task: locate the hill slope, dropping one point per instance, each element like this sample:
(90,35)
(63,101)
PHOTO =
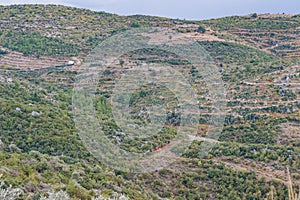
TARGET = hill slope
(40,150)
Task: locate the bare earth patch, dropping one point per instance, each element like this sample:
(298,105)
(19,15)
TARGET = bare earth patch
(290,134)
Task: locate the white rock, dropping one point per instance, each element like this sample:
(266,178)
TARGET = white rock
(71,62)
(34,113)
(9,80)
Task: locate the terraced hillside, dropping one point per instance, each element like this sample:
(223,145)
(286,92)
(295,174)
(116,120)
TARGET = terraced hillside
(41,151)
(278,34)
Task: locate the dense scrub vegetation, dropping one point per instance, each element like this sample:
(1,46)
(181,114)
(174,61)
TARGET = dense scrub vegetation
(233,53)
(252,22)
(36,44)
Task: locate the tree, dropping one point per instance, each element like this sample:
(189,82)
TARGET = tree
(201,29)
(254,15)
(122,62)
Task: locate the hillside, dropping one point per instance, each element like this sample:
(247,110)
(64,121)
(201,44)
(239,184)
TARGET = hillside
(41,151)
